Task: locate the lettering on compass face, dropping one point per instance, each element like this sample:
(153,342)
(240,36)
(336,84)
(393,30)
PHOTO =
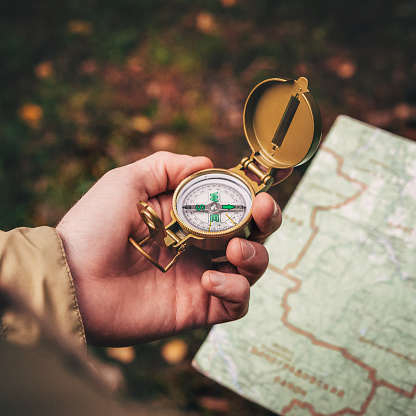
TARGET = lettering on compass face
(215,205)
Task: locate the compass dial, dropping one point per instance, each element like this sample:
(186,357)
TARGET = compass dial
(214,202)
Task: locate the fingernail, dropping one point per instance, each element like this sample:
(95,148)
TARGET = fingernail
(217,279)
(276,209)
(247,250)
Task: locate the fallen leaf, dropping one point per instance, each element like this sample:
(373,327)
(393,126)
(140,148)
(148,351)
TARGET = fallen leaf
(403,111)
(135,64)
(44,69)
(174,351)
(205,22)
(125,355)
(80,27)
(31,114)
(89,66)
(142,124)
(345,68)
(163,141)
(228,3)
(214,403)
(380,118)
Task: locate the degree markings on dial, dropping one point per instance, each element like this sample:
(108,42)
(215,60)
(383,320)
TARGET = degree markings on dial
(214,207)
(230,219)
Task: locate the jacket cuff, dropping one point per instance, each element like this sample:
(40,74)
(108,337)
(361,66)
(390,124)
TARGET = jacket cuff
(34,269)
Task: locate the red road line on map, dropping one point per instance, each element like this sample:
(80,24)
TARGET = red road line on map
(372,372)
(346,410)
(315,228)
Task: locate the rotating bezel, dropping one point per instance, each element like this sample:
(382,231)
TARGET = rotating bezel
(212,234)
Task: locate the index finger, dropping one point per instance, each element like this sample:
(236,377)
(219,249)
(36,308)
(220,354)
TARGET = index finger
(266,213)
(267,216)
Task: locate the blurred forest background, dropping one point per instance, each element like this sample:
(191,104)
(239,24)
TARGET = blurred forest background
(88,85)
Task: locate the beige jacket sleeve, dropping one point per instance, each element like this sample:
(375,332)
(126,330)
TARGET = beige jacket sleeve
(33,266)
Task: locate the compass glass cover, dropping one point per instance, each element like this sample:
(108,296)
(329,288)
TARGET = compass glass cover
(214,202)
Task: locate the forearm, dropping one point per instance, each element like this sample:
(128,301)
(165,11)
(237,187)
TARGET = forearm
(33,267)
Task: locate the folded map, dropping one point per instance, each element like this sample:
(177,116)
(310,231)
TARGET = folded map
(332,324)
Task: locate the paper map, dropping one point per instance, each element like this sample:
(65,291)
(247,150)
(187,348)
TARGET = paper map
(332,325)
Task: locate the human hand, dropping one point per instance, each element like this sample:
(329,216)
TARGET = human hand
(123,298)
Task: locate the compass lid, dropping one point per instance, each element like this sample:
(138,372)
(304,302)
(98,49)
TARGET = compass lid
(282,123)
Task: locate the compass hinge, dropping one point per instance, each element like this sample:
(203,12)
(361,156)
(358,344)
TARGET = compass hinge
(249,164)
(264,179)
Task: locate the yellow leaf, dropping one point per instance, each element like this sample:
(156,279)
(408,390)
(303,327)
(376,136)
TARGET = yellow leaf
(174,351)
(125,355)
(141,124)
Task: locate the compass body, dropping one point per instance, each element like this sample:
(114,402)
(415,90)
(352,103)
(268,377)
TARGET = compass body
(282,124)
(214,204)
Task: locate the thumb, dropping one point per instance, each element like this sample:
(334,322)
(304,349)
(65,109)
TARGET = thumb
(230,294)
(163,171)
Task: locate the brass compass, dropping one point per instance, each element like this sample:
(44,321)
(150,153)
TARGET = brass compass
(282,124)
